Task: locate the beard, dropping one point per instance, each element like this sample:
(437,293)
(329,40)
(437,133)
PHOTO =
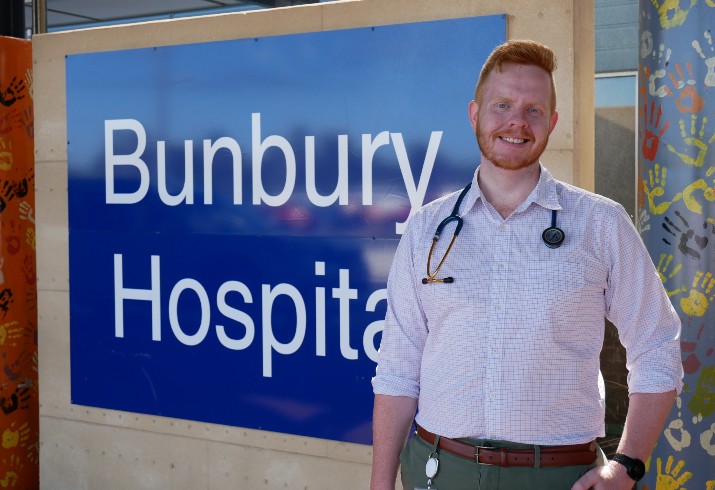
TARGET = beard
(508,162)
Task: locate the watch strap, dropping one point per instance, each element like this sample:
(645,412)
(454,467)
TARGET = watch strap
(635,468)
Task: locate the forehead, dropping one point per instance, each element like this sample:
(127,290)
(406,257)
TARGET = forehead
(515,79)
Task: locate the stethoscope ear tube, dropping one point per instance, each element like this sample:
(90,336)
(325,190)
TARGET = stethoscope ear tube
(454,216)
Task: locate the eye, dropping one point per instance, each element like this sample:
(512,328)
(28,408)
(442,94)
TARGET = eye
(501,105)
(535,111)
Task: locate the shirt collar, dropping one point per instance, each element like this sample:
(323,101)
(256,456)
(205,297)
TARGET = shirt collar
(545,193)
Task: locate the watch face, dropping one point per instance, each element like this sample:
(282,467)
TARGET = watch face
(637,470)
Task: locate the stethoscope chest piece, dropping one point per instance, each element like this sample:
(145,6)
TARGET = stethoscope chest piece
(553,237)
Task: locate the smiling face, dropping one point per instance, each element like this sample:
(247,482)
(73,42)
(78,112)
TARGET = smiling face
(512,116)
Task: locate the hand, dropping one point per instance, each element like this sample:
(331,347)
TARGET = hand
(613,476)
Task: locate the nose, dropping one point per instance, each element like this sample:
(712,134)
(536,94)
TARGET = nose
(518,119)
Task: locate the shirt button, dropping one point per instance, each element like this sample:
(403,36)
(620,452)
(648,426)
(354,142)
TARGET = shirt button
(497,308)
(501,267)
(494,351)
(492,395)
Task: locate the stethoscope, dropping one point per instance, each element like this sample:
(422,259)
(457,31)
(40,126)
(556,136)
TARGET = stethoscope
(553,237)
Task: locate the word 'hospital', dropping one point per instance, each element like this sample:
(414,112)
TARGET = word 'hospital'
(269,294)
(259,146)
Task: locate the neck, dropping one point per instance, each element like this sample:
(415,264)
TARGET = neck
(507,189)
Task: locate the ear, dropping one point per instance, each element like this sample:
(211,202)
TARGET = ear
(554,118)
(473,111)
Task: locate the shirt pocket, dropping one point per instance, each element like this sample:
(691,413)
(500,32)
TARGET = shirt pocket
(568,304)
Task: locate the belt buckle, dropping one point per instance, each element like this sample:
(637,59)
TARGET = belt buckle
(476,454)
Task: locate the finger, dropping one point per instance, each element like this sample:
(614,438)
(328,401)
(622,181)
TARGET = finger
(586,481)
(684,478)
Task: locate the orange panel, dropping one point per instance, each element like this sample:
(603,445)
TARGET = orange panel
(19,419)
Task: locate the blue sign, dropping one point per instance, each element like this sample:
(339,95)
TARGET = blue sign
(233,211)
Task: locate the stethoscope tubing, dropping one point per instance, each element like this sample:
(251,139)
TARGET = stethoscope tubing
(552,236)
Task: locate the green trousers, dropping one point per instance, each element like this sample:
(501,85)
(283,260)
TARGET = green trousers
(457,473)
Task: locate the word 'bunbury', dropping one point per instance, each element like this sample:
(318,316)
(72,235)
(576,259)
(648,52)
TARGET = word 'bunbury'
(259,146)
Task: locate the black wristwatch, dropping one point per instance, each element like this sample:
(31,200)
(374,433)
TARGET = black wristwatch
(634,467)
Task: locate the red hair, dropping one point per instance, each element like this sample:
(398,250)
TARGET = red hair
(521,52)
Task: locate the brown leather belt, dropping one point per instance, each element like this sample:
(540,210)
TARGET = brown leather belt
(578,454)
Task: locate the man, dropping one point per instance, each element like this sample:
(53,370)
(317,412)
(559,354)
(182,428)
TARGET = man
(495,343)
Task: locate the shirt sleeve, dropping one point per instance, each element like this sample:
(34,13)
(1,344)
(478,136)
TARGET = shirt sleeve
(639,307)
(405,330)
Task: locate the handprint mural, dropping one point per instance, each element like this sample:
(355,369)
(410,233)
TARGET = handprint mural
(676,169)
(19,418)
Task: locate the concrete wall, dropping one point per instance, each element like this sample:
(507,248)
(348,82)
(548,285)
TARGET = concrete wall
(84,447)
(617,36)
